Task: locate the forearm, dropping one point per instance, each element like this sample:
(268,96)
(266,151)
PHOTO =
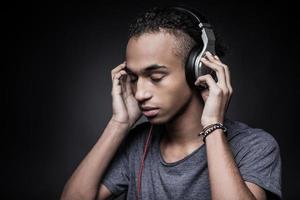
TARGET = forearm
(225,179)
(84,182)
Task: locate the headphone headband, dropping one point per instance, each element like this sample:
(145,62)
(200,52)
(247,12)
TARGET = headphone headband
(187,11)
(194,65)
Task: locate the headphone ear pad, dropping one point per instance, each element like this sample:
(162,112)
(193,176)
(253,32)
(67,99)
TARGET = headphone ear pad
(190,65)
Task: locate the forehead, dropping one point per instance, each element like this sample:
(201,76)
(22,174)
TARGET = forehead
(151,48)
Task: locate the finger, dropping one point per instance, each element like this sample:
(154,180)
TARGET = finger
(228,78)
(116,89)
(220,72)
(119,74)
(117,86)
(123,82)
(212,85)
(212,58)
(226,91)
(128,86)
(229,90)
(216,60)
(117,69)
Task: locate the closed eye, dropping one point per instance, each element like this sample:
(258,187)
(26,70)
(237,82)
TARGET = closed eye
(156,78)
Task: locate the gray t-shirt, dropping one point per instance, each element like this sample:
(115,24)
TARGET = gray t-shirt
(255,151)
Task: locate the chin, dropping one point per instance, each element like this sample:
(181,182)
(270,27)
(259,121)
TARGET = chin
(158,120)
(155,120)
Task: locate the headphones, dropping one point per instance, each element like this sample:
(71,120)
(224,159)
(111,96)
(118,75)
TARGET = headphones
(193,66)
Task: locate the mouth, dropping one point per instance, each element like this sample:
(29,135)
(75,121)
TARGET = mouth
(150,112)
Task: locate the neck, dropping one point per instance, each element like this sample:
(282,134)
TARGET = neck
(183,129)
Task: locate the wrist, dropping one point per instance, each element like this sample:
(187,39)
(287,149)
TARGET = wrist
(206,123)
(215,137)
(207,130)
(119,124)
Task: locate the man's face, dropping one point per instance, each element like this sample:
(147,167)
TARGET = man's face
(157,76)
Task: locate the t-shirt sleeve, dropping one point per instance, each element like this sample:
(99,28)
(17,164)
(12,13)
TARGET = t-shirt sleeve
(261,162)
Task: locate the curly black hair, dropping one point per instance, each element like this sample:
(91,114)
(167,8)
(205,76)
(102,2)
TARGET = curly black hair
(175,22)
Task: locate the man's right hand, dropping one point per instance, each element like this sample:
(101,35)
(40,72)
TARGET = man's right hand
(85,180)
(124,105)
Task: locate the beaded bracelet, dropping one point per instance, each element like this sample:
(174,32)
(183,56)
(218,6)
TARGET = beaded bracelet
(210,128)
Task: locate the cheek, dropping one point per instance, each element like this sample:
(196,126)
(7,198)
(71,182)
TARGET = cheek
(176,91)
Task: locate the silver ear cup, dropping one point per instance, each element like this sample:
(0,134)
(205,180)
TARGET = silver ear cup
(208,39)
(194,66)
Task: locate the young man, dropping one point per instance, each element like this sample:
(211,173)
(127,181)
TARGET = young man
(173,161)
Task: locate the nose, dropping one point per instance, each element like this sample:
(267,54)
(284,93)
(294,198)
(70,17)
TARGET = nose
(142,92)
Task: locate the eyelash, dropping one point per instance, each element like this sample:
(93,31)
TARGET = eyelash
(156,79)
(152,79)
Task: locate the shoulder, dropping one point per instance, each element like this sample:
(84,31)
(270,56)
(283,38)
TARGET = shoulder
(241,134)
(257,155)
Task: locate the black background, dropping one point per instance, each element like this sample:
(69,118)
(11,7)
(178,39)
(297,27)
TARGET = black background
(57,84)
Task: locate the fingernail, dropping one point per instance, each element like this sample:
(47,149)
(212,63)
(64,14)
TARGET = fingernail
(203,59)
(208,53)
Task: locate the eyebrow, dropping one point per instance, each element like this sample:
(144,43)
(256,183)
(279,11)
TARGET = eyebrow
(148,68)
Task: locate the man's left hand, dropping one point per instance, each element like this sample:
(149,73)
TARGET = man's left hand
(218,94)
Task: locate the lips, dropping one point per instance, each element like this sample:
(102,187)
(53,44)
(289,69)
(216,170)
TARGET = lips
(150,111)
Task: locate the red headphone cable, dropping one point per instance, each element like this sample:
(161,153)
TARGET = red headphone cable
(142,162)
